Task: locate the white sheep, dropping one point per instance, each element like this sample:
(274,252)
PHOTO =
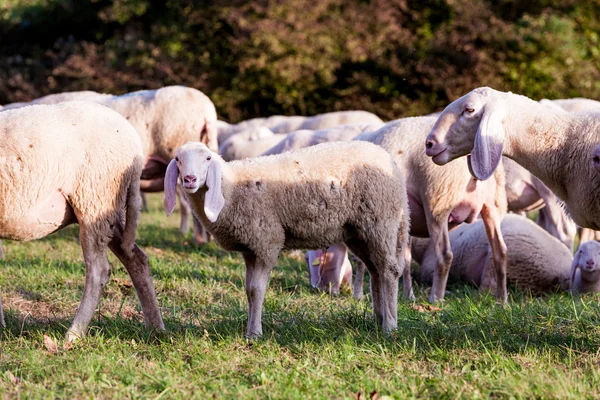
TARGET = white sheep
(57,98)
(76,162)
(577,104)
(585,270)
(329,269)
(261,206)
(536,260)
(306,138)
(248,144)
(555,146)
(328,120)
(525,192)
(442,198)
(165,119)
(226,130)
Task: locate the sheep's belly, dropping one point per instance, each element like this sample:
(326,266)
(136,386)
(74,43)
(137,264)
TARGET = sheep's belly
(48,216)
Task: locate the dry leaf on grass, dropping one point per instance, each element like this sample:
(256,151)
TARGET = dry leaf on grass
(424,307)
(50,344)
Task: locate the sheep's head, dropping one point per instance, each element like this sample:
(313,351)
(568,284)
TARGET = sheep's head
(471,125)
(587,257)
(596,158)
(198,167)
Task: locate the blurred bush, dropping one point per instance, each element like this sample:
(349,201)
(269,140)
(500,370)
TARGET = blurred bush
(393,57)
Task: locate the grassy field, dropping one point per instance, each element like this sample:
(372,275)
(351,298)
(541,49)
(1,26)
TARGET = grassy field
(314,346)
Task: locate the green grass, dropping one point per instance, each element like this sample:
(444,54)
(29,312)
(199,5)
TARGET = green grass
(314,346)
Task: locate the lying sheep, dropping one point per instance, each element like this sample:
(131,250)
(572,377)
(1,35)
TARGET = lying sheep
(329,269)
(306,138)
(442,198)
(585,270)
(165,119)
(554,146)
(328,120)
(261,206)
(525,192)
(227,130)
(249,144)
(536,261)
(76,162)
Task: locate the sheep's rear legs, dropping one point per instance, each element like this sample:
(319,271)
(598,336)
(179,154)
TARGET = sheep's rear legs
(97,272)
(257,278)
(138,267)
(491,220)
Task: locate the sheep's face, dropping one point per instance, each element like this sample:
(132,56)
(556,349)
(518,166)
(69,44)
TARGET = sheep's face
(596,158)
(193,160)
(588,256)
(472,125)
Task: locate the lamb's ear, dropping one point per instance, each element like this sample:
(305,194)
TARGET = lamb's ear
(487,151)
(574,269)
(170,186)
(213,200)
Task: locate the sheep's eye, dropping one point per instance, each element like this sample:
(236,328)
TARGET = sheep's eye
(177,159)
(208,158)
(469,110)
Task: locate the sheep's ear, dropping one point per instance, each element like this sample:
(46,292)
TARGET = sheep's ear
(170,186)
(213,200)
(574,269)
(487,151)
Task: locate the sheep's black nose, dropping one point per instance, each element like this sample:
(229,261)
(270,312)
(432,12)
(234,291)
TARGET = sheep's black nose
(189,179)
(429,144)
(596,160)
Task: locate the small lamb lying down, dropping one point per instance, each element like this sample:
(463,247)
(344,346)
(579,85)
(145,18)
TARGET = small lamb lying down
(537,261)
(585,271)
(329,269)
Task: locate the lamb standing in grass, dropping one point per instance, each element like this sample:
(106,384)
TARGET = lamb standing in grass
(555,146)
(261,206)
(536,260)
(76,162)
(585,271)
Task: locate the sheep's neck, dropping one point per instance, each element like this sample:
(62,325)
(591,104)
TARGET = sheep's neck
(536,139)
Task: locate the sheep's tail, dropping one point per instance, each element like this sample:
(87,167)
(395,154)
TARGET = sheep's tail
(132,215)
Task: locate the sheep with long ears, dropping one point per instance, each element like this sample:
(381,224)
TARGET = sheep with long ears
(555,146)
(261,206)
(585,270)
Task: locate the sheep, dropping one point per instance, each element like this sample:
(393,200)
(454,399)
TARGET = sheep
(328,120)
(76,162)
(227,130)
(576,104)
(57,98)
(329,269)
(249,144)
(442,198)
(536,261)
(165,119)
(525,193)
(554,146)
(585,274)
(261,206)
(306,138)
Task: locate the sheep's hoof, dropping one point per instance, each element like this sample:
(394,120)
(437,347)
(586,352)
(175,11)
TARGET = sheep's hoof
(72,336)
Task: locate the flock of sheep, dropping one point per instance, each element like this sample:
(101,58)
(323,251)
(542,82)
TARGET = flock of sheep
(333,183)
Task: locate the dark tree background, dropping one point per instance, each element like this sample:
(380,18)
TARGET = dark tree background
(392,57)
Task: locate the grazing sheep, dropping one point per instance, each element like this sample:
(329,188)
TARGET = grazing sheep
(76,162)
(306,138)
(536,260)
(442,198)
(329,269)
(585,270)
(261,206)
(165,119)
(525,192)
(249,144)
(554,146)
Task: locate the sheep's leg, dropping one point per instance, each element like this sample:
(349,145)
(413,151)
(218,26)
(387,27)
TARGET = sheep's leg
(144,201)
(491,220)
(138,267)
(407,293)
(97,273)
(201,235)
(438,231)
(2,323)
(257,278)
(186,211)
(359,280)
